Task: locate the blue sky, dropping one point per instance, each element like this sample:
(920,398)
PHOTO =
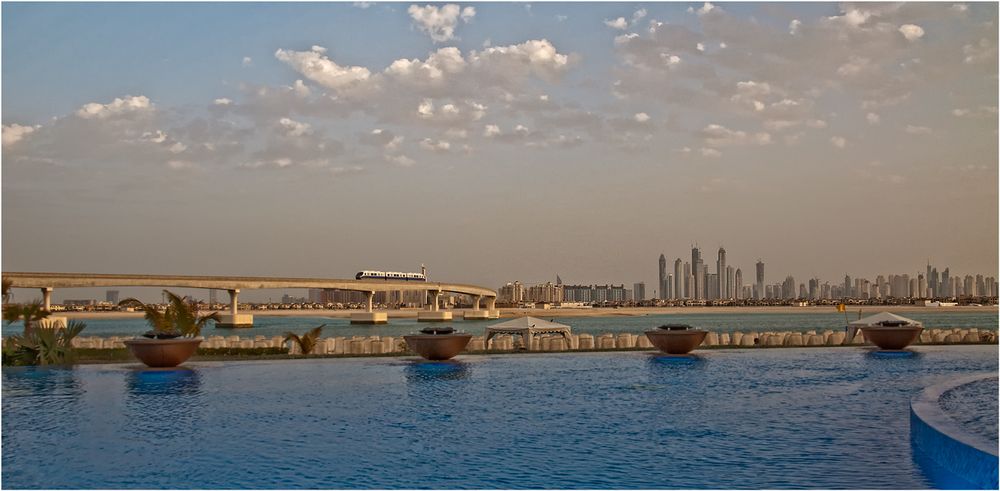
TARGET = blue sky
(606,132)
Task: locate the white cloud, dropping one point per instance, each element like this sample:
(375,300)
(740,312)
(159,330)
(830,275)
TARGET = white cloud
(491,130)
(400,160)
(619,23)
(794,25)
(981,52)
(315,66)
(872,118)
(918,130)
(708,7)
(716,135)
(117,107)
(641,117)
(838,141)
(911,32)
(426,109)
(436,146)
(180,164)
(294,128)
(362,5)
(247,61)
(440,22)
(14,133)
(710,152)
(223,101)
(638,15)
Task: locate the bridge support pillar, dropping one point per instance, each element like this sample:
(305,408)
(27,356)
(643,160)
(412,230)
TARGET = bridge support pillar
(47,297)
(370,316)
(434,314)
(234,318)
(491,308)
(475,313)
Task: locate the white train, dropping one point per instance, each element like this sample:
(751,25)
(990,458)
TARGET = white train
(390,275)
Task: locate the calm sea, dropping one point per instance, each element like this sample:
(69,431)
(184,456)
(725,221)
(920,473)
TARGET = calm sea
(272,326)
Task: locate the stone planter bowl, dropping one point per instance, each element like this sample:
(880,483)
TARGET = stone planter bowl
(163,353)
(892,338)
(437,344)
(676,340)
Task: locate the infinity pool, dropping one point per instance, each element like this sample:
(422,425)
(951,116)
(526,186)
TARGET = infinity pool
(783,418)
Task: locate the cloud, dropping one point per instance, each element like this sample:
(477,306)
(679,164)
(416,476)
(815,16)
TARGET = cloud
(440,22)
(638,15)
(838,141)
(222,101)
(400,160)
(294,128)
(247,61)
(619,23)
(14,133)
(118,107)
(911,32)
(641,117)
(491,130)
(918,130)
(315,66)
(872,118)
(710,152)
(362,5)
(716,135)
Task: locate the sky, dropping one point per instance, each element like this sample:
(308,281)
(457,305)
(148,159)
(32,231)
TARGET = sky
(496,142)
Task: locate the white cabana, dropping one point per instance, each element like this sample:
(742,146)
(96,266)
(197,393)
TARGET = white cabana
(875,321)
(527,327)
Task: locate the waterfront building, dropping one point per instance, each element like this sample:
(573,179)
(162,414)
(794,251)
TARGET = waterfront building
(688,281)
(712,280)
(803,293)
(738,279)
(663,277)
(545,293)
(720,271)
(699,274)
(788,288)
(678,279)
(111,296)
(914,288)
(639,291)
(946,284)
(670,286)
(760,279)
(921,287)
(511,293)
(980,286)
(730,279)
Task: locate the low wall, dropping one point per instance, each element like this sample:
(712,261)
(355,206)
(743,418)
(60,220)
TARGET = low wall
(620,340)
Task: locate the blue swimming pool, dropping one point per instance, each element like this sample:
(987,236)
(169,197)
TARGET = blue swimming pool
(788,418)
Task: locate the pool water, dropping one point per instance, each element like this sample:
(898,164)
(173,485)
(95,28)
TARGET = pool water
(789,418)
(974,407)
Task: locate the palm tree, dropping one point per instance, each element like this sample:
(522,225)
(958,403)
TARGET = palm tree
(29,313)
(180,318)
(307,342)
(43,346)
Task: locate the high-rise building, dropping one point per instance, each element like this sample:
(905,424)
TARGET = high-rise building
(788,288)
(698,270)
(678,279)
(760,279)
(663,276)
(981,286)
(730,278)
(847,287)
(803,293)
(111,296)
(921,287)
(945,284)
(712,281)
(639,291)
(739,284)
(720,270)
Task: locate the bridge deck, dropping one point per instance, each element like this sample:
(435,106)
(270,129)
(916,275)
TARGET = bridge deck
(84,280)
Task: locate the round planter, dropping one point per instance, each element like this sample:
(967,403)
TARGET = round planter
(676,342)
(892,338)
(162,353)
(437,346)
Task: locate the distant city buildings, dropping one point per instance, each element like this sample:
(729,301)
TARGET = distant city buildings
(639,292)
(111,296)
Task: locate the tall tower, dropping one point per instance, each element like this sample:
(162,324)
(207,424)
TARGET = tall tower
(663,277)
(760,279)
(678,280)
(698,269)
(720,270)
(738,285)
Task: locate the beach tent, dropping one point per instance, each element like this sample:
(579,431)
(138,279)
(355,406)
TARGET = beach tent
(527,327)
(876,320)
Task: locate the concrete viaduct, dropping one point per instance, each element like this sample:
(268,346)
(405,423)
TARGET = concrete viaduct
(47,282)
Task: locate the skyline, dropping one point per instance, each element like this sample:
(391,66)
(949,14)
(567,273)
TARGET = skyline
(496,141)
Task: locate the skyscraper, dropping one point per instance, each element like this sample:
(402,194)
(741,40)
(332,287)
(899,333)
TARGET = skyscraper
(639,291)
(678,280)
(698,269)
(739,284)
(111,296)
(663,276)
(729,282)
(760,280)
(720,270)
(688,280)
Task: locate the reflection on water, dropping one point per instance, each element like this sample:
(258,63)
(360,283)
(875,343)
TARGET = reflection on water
(432,371)
(670,362)
(171,381)
(45,382)
(941,477)
(892,354)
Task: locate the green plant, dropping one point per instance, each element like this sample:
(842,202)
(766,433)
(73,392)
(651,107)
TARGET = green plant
(180,318)
(6,286)
(306,342)
(29,313)
(50,346)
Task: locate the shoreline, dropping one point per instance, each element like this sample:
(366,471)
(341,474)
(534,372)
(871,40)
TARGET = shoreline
(594,312)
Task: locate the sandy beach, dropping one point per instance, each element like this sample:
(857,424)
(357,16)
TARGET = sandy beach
(596,312)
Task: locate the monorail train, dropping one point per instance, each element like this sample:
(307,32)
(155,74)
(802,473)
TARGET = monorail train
(389,275)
